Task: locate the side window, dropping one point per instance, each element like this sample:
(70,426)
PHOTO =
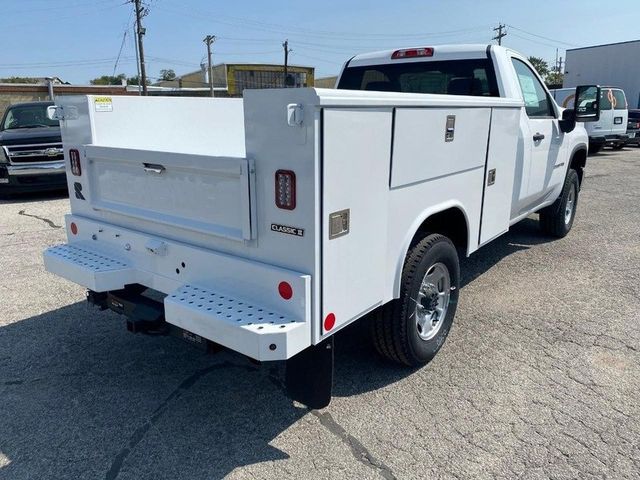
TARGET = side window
(619,100)
(536,100)
(606,99)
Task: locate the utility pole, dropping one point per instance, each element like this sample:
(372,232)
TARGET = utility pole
(137,60)
(209,39)
(285,45)
(500,33)
(141,12)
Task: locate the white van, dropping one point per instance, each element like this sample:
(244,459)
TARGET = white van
(611,129)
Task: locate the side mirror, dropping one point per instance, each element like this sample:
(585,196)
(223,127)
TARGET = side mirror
(587,103)
(568,120)
(53,114)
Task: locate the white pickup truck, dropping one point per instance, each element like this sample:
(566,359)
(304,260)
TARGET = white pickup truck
(266,225)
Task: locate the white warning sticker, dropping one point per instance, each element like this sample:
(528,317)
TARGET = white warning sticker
(103,104)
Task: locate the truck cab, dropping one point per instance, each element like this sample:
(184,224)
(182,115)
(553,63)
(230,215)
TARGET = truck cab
(31,156)
(484,71)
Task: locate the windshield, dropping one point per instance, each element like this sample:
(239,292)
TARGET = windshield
(28,116)
(451,77)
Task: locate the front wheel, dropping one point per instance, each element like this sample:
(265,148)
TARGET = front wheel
(557,218)
(411,329)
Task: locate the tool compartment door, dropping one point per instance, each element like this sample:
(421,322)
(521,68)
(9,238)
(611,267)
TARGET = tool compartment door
(198,193)
(355,185)
(503,165)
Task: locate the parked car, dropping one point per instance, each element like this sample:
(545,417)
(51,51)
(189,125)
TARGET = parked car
(633,128)
(269,223)
(611,129)
(31,156)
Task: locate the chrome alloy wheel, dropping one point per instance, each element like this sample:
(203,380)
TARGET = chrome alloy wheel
(571,203)
(433,301)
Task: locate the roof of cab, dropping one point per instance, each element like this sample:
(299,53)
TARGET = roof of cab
(440,52)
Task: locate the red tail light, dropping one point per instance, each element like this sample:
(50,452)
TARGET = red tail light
(412,52)
(286,189)
(74,157)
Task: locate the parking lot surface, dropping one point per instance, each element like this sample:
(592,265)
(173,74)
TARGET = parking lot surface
(540,376)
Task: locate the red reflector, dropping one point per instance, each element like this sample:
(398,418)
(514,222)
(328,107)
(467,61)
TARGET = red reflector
(286,189)
(285,290)
(74,157)
(74,228)
(329,322)
(412,53)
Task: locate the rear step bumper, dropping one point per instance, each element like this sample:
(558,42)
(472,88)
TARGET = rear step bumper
(228,300)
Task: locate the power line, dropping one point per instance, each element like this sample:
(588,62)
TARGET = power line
(124,37)
(534,41)
(543,37)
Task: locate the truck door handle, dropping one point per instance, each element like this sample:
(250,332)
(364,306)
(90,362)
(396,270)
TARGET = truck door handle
(154,168)
(537,137)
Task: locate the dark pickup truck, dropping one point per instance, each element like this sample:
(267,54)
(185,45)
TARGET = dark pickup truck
(31,155)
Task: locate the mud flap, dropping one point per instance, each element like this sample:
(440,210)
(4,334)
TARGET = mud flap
(309,375)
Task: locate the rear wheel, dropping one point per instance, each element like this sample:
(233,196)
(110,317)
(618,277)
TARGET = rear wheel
(411,329)
(557,218)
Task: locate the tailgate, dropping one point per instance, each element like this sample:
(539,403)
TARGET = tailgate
(206,194)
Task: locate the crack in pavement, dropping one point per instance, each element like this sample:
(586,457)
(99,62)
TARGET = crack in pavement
(358,450)
(45,220)
(138,435)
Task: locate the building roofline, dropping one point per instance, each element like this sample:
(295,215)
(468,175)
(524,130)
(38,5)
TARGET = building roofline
(603,45)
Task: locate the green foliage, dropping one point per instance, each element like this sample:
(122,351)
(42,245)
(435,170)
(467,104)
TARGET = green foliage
(167,74)
(540,65)
(109,80)
(19,80)
(554,78)
(116,80)
(135,80)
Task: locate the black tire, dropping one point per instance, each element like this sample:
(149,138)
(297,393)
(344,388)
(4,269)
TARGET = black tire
(553,219)
(620,146)
(594,148)
(394,327)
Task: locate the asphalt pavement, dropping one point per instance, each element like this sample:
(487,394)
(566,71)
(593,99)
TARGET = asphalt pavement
(540,376)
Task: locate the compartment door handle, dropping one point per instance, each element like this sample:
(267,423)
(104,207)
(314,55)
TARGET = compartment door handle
(154,168)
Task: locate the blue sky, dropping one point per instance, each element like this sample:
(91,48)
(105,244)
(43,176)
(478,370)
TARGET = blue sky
(80,39)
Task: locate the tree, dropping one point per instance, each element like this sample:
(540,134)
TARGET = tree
(135,80)
(167,74)
(541,66)
(554,78)
(19,80)
(109,80)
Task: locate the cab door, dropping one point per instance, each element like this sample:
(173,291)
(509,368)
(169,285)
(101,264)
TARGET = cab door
(544,138)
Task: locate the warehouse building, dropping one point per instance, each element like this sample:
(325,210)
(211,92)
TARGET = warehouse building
(231,79)
(613,64)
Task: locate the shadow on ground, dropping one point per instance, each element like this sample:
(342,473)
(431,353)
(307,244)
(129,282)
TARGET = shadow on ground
(82,398)
(32,196)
